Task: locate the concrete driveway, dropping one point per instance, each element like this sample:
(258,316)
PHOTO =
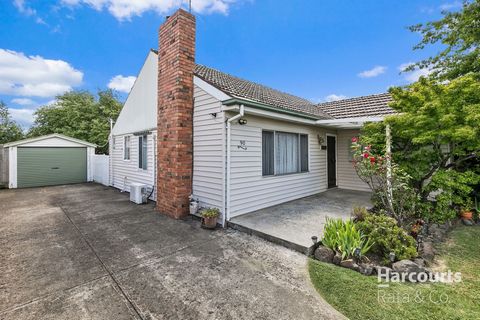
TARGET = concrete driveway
(85,252)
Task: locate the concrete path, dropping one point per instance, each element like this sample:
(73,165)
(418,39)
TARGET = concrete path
(85,252)
(294,223)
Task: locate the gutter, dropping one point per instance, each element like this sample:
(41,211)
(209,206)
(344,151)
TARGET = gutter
(241,113)
(259,105)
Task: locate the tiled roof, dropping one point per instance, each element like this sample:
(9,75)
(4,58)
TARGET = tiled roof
(373,105)
(239,88)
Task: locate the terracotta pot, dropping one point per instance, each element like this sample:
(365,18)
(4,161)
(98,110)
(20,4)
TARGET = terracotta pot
(210,222)
(467,215)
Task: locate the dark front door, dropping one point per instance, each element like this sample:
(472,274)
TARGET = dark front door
(332,161)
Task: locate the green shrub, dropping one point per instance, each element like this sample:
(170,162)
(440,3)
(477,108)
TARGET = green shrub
(210,212)
(387,237)
(342,236)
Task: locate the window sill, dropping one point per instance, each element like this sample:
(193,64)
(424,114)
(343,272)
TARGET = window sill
(286,174)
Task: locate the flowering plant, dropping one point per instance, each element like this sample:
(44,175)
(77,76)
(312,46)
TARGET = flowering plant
(399,201)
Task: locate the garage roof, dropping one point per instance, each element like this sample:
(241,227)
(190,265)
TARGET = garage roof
(50,136)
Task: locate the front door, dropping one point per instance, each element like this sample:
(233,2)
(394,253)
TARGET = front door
(332,161)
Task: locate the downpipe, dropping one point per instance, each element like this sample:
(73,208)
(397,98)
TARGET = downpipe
(241,113)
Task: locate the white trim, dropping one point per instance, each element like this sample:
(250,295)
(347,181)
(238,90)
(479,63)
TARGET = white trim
(271,114)
(55,135)
(12,167)
(336,157)
(211,90)
(90,154)
(348,123)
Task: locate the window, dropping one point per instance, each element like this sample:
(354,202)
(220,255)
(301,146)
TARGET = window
(142,152)
(284,153)
(126,148)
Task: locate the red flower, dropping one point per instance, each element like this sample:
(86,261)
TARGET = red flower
(372,159)
(355,139)
(366,155)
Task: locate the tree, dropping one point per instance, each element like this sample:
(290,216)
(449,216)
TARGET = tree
(435,133)
(9,129)
(79,115)
(459,32)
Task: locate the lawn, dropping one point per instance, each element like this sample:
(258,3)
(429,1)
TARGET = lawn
(359,297)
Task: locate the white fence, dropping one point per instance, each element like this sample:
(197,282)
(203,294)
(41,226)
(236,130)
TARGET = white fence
(101,172)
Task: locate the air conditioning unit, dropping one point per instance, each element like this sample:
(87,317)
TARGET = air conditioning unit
(138,193)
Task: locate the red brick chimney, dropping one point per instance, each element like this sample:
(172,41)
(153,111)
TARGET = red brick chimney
(176,64)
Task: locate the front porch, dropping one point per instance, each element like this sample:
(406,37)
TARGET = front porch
(292,224)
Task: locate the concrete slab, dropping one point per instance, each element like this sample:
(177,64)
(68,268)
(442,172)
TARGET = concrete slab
(85,252)
(292,224)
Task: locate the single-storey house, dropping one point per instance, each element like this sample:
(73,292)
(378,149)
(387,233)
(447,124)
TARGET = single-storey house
(48,160)
(187,129)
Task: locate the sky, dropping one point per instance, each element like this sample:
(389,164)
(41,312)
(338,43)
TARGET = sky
(321,50)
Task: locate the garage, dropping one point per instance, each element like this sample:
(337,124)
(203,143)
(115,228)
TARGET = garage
(49,160)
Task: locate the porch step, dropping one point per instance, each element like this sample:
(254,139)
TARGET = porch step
(270,238)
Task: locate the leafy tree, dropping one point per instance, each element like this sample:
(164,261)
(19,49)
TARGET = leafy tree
(9,129)
(435,133)
(80,115)
(459,33)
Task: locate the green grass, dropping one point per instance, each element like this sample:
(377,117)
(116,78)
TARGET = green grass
(358,296)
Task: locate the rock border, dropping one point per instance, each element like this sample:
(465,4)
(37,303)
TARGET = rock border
(430,234)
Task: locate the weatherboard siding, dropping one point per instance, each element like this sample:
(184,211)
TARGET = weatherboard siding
(124,172)
(347,177)
(251,191)
(208,150)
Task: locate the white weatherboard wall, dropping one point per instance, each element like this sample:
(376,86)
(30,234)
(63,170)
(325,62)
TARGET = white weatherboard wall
(139,112)
(208,151)
(251,191)
(124,172)
(347,178)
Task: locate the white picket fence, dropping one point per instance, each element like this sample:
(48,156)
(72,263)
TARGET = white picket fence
(101,172)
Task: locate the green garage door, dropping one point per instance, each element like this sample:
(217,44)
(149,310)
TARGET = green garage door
(50,166)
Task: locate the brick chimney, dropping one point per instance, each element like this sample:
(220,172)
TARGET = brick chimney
(176,64)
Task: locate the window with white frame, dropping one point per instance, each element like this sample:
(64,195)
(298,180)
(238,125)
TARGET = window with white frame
(142,152)
(284,153)
(126,148)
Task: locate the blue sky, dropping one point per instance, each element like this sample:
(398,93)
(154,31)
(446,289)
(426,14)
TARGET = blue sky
(319,50)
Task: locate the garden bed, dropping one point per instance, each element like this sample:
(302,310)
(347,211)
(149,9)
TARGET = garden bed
(360,297)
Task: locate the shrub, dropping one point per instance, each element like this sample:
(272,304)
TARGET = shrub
(387,237)
(342,236)
(210,212)
(359,213)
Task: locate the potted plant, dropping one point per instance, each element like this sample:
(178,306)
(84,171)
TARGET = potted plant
(209,217)
(466,210)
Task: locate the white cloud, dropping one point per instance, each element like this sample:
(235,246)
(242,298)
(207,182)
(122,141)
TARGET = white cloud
(412,76)
(451,5)
(24,117)
(22,75)
(23,101)
(121,83)
(374,72)
(23,8)
(126,9)
(335,97)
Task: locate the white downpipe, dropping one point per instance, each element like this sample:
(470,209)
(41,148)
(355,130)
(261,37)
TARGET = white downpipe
(226,216)
(388,147)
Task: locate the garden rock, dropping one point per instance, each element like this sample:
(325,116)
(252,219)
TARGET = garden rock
(467,222)
(420,262)
(406,266)
(349,264)
(426,250)
(366,269)
(383,272)
(337,258)
(324,254)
